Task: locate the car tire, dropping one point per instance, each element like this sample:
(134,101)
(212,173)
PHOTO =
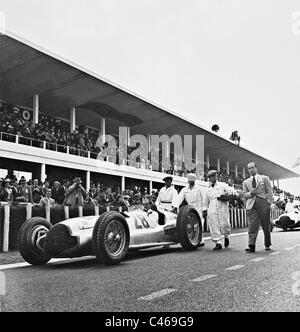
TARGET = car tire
(189,236)
(111,238)
(27,241)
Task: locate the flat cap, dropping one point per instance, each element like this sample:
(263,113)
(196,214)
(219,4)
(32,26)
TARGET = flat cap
(212,172)
(191,177)
(168,178)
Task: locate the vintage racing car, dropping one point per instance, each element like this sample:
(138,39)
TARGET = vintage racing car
(288,220)
(109,236)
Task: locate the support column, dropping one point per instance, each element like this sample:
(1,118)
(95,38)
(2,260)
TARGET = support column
(128,135)
(123,184)
(149,151)
(150,187)
(218,165)
(103,129)
(5,245)
(244,172)
(228,167)
(236,171)
(88,181)
(43,172)
(36,105)
(73,119)
(207,162)
(278,184)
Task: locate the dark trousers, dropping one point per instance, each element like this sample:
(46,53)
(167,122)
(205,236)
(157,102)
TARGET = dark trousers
(259,215)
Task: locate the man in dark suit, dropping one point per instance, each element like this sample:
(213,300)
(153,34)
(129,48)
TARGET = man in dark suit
(258,194)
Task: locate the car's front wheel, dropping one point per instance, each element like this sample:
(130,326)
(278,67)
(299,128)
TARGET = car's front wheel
(110,238)
(189,228)
(30,238)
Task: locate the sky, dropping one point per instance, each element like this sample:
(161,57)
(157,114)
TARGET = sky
(233,63)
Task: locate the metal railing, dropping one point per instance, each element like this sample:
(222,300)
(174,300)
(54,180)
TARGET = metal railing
(21,140)
(67,149)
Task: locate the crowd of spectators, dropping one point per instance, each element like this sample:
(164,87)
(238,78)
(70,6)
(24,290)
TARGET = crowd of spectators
(55,132)
(70,193)
(56,135)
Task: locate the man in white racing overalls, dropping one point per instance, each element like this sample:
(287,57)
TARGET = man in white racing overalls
(218,209)
(167,196)
(194,196)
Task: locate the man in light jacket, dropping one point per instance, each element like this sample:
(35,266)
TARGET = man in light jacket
(258,194)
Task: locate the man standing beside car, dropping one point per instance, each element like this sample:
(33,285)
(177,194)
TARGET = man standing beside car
(258,193)
(195,196)
(167,196)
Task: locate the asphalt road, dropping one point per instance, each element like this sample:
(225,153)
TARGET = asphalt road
(160,280)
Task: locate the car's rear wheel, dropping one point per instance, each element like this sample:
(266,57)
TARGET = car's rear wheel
(189,228)
(110,238)
(30,237)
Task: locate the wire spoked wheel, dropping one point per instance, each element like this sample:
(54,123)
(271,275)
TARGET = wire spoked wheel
(115,238)
(193,229)
(189,228)
(111,238)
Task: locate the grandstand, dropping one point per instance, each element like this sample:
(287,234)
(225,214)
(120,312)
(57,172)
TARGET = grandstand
(60,111)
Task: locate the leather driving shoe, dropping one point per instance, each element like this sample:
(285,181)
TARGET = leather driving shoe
(250,249)
(218,246)
(267,248)
(226,242)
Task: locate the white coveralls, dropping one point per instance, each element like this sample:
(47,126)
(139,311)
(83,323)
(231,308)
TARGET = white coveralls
(166,199)
(196,197)
(218,211)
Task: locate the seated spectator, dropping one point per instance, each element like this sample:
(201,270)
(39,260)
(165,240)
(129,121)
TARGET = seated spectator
(89,200)
(24,193)
(137,199)
(47,201)
(107,197)
(58,193)
(37,192)
(66,185)
(8,192)
(46,186)
(124,201)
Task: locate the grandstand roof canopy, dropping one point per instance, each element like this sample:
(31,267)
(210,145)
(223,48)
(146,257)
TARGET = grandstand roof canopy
(26,70)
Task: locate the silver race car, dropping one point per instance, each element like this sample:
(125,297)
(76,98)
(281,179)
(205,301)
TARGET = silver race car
(109,236)
(288,220)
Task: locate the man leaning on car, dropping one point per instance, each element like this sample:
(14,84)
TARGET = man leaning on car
(195,196)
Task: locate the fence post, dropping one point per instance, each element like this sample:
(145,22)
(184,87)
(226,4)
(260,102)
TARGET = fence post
(97,210)
(28,211)
(108,208)
(80,210)
(48,213)
(236,218)
(246,218)
(67,214)
(6,227)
